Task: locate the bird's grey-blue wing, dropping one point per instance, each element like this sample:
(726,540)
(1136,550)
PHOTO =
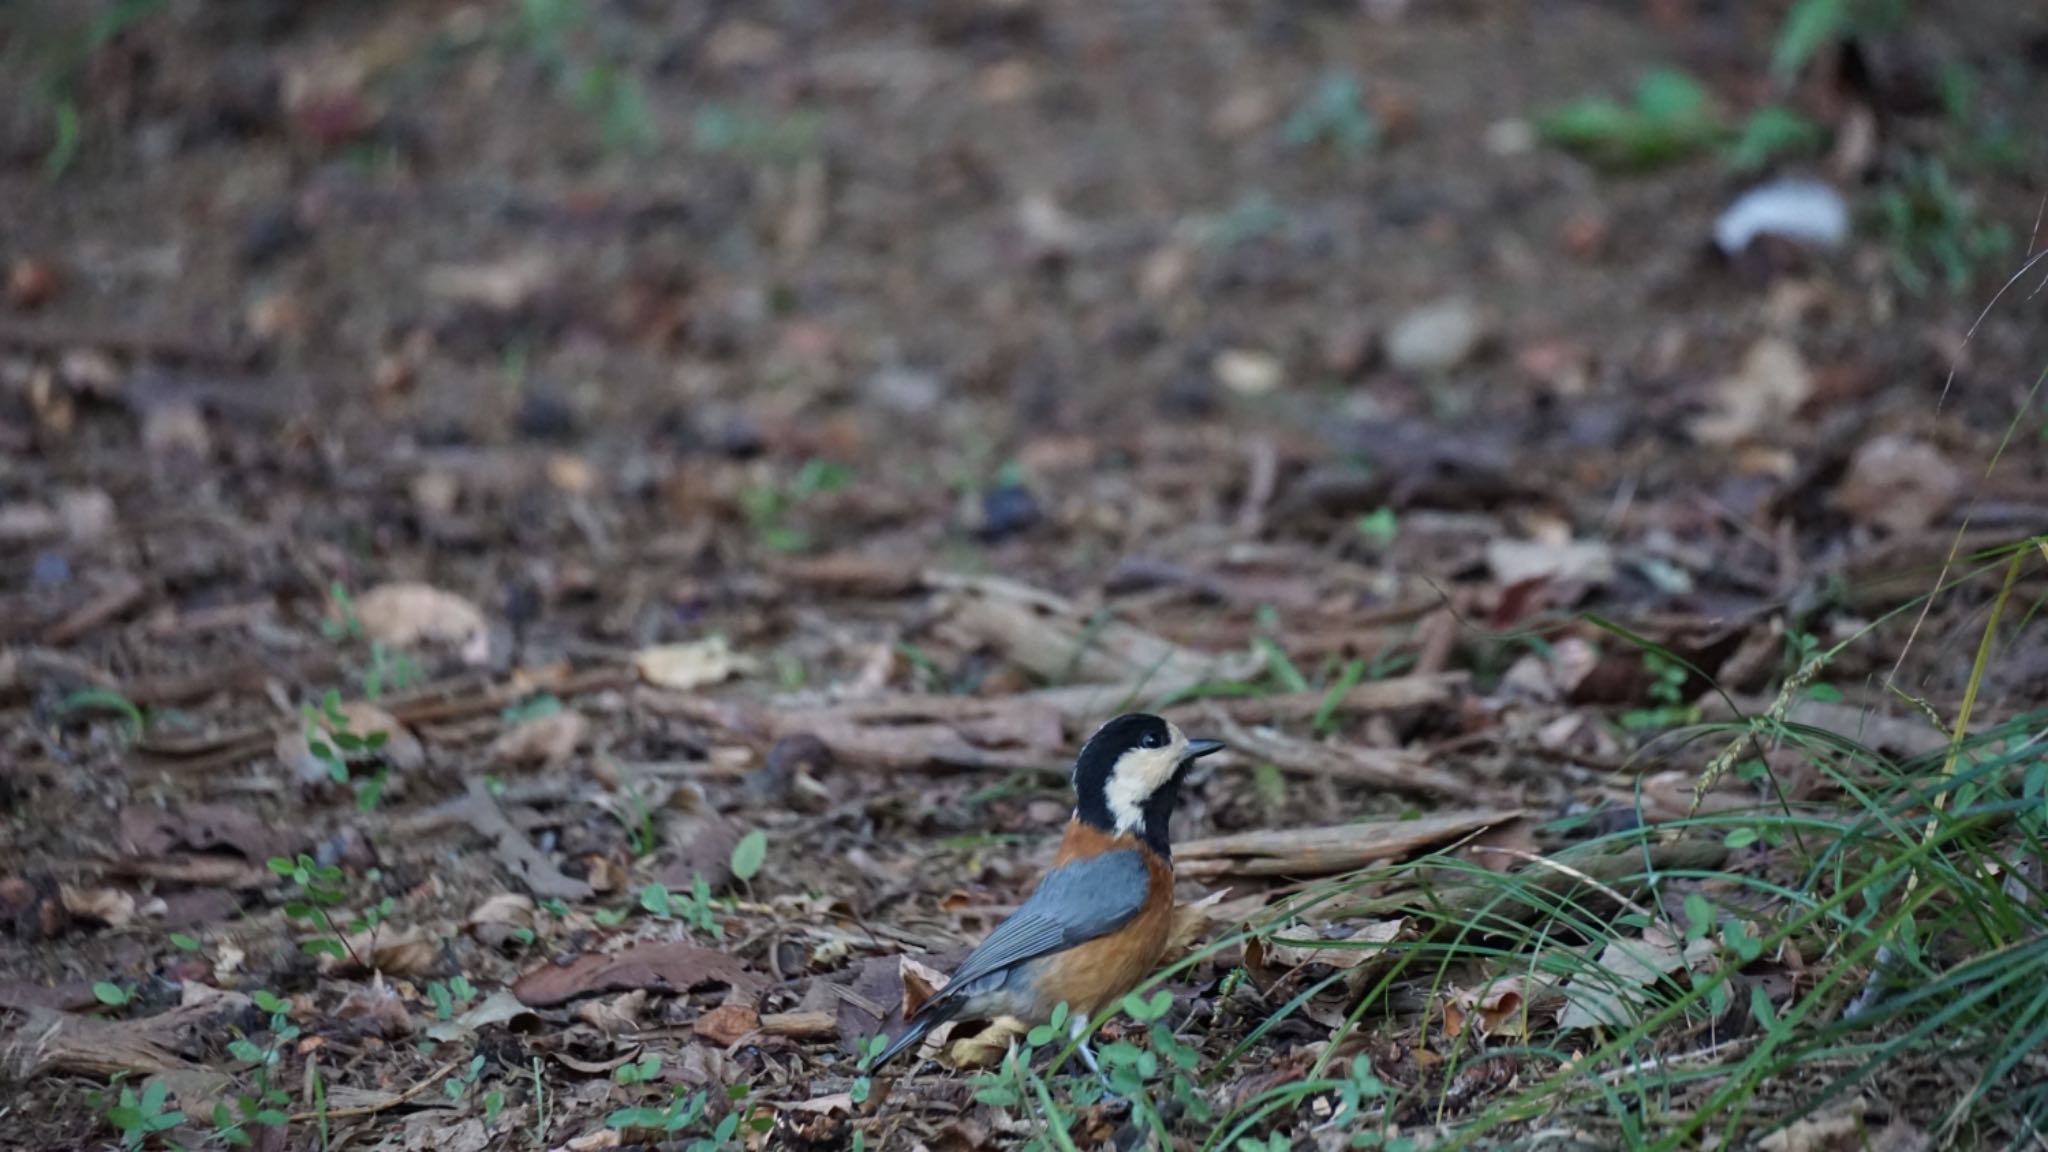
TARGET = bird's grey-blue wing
(1074,904)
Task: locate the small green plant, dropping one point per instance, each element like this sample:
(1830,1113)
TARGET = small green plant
(864,1084)
(460,1083)
(532,708)
(1670,118)
(1770,134)
(768,507)
(1933,229)
(642,1071)
(679,1114)
(448,997)
(694,908)
(551,31)
(755,135)
(323,889)
(263,1107)
(112,995)
(185,943)
(1335,113)
(104,700)
(1667,688)
(139,1116)
(1255,216)
(333,741)
(389,671)
(641,837)
(1812,25)
(1379,526)
(749,854)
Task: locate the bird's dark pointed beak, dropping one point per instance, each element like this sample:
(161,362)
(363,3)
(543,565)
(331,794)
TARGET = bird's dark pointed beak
(1200,748)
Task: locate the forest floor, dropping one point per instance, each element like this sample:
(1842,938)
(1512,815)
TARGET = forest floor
(545,548)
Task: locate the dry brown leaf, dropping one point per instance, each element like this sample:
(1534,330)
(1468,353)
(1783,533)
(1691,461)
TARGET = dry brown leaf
(1500,1007)
(202,828)
(500,1007)
(1899,483)
(377,1010)
(1349,951)
(1839,1129)
(670,967)
(1579,561)
(508,908)
(542,742)
(394,953)
(409,615)
(688,666)
(109,906)
(727,1024)
(1609,998)
(823,1105)
(985,1048)
(1191,919)
(598,1141)
(621,1013)
(920,983)
(1763,394)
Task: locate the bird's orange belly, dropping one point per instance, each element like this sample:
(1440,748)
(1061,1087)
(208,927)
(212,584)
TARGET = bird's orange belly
(1095,975)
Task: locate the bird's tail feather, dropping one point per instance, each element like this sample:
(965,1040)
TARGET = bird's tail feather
(924,1021)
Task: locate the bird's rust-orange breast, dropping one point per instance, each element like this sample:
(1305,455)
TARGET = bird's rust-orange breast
(1097,974)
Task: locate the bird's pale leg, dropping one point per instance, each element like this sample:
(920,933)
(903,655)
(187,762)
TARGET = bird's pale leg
(1076,1029)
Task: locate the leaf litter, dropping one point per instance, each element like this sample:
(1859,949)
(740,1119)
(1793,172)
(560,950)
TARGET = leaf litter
(726,612)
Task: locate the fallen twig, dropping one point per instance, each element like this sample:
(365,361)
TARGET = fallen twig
(1392,769)
(1321,851)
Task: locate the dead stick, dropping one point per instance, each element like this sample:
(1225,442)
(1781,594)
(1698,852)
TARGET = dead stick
(1628,871)
(383,1105)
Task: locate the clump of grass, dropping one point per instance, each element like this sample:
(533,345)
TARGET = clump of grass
(1933,229)
(1673,118)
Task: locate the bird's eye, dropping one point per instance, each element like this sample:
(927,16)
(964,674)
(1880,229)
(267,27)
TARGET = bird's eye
(1152,740)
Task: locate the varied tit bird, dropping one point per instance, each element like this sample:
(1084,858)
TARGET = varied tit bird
(1100,918)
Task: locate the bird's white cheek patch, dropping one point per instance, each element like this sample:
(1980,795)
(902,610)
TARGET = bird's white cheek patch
(1137,775)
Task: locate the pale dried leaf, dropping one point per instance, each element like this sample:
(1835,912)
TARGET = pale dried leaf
(985,1048)
(500,1007)
(1899,483)
(621,1013)
(1501,1007)
(1348,951)
(410,614)
(504,908)
(727,1024)
(542,742)
(109,906)
(1611,997)
(920,983)
(688,666)
(1764,393)
(1582,561)
(1839,1129)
